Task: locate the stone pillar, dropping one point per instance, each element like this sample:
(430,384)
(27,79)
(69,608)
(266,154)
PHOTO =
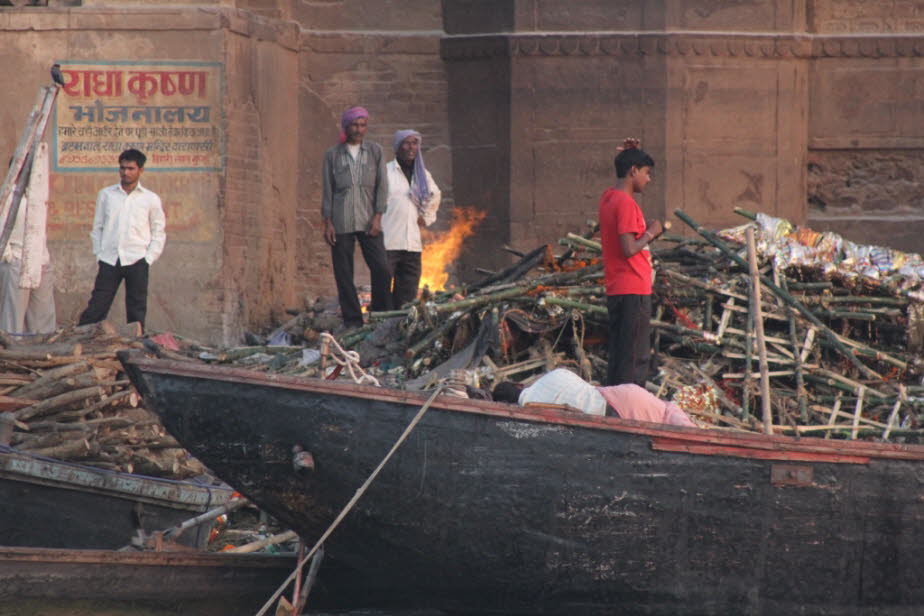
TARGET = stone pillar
(866,121)
(543,92)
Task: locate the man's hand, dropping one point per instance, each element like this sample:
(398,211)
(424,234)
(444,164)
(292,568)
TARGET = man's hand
(375,227)
(330,233)
(421,222)
(655,228)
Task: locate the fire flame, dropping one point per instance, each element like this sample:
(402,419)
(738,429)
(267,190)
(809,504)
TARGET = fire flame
(440,249)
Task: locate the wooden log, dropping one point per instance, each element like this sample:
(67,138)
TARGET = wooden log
(47,351)
(71,450)
(39,387)
(64,400)
(57,387)
(112,399)
(18,380)
(57,426)
(9,403)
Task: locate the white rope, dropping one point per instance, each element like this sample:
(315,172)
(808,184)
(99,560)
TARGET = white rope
(350,360)
(359,493)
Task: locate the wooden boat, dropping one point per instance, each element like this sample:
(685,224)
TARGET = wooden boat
(55,504)
(491,506)
(39,580)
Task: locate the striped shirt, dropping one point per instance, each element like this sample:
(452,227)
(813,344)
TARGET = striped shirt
(354,190)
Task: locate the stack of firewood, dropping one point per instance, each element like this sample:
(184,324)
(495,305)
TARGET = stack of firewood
(70,400)
(843,323)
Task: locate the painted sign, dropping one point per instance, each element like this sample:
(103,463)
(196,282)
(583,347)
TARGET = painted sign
(171,111)
(168,110)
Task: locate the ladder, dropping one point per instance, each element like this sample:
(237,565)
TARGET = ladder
(17,176)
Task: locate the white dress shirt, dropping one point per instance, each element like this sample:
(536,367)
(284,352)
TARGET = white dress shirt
(399,223)
(128,227)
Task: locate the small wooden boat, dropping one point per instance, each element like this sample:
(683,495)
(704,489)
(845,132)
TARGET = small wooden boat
(232,583)
(55,504)
(491,506)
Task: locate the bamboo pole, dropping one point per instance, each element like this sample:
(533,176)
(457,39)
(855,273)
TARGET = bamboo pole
(834,411)
(894,413)
(584,242)
(794,340)
(783,295)
(748,362)
(253,546)
(233,505)
(766,410)
(858,409)
(570,303)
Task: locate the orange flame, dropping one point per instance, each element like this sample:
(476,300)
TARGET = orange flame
(440,249)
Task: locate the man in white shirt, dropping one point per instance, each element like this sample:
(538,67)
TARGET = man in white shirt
(413,199)
(27,300)
(128,236)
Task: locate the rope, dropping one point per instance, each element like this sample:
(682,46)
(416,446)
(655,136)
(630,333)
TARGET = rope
(350,360)
(354,500)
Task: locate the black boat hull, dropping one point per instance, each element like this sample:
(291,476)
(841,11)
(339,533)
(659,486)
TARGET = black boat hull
(493,507)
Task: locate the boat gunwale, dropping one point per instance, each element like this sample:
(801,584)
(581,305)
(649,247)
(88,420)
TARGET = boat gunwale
(817,449)
(25,467)
(187,558)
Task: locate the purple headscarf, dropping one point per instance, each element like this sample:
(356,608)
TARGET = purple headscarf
(347,118)
(420,189)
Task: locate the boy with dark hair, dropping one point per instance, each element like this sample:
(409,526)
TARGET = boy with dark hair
(625,236)
(128,236)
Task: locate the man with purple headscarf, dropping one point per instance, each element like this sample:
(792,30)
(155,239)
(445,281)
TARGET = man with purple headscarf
(354,200)
(413,199)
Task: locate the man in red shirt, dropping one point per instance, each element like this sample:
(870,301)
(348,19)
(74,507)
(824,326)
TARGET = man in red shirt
(625,237)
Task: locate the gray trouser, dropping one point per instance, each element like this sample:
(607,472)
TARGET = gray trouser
(25,311)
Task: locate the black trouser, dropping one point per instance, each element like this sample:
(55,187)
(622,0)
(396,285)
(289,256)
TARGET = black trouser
(341,255)
(405,269)
(629,339)
(107,283)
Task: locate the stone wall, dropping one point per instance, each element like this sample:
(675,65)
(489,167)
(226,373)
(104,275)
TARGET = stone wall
(230,254)
(543,93)
(806,110)
(866,121)
(382,55)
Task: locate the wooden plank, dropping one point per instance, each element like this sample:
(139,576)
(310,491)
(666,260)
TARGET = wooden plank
(666,444)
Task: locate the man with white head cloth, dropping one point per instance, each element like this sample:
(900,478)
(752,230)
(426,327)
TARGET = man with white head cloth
(413,200)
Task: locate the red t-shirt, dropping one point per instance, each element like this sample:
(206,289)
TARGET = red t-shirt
(619,213)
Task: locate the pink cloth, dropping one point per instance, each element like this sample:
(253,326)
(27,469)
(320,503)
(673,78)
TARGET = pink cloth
(347,118)
(634,402)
